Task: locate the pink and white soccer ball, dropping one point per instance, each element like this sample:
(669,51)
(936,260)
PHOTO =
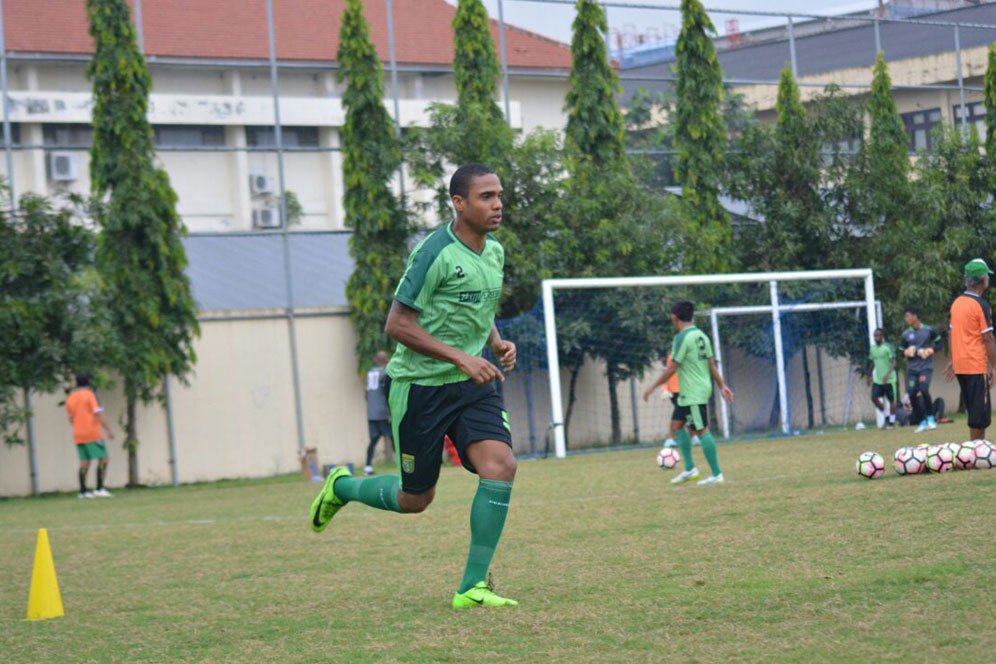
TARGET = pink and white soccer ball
(964,458)
(668,458)
(985,454)
(940,459)
(870,465)
(909,460)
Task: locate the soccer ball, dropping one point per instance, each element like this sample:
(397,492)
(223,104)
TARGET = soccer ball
(909,460)
(870,465)
(940,459)
(668,458)
(985,454)
(965,457)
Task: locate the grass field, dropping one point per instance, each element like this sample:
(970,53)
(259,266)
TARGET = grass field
(794,559)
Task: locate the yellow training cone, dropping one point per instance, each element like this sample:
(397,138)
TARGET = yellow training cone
(44,602)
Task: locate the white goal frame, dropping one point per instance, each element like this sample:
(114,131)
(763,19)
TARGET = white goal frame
(775,308)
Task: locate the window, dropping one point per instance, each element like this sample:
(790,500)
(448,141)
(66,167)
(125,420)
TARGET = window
(189,136)
(291,137)
(15,133)
(67,135)
(918,127)
(975,113)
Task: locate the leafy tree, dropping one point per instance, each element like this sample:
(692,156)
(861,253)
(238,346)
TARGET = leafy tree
(43,255)
(990,103)
(885,203)
(140,257)
(371,157)
(700,139)
(475,64)
(595,128)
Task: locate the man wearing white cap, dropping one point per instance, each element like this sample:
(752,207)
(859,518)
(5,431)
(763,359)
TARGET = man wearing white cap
(973,348)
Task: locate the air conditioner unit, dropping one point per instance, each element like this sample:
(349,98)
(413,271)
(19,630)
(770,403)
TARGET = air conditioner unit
(267,217)
(260,184)
(64,166)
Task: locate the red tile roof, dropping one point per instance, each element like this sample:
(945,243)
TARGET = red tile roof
(305,30)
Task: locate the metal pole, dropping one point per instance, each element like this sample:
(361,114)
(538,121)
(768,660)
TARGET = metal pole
(504,60)
(553,364)
(32,451)
(171,432)
(724,409)
(961,83)
(776,320)
(636,411)
(140,33)
(8,153)
(394,88)
(870,306)
(285,241)
(791,33)
(878,38)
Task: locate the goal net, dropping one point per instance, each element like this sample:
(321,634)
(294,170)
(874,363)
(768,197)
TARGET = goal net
(791,345)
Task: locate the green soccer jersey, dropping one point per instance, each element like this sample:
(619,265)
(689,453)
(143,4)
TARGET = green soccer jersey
(882,357)
(692,351)
(455,291)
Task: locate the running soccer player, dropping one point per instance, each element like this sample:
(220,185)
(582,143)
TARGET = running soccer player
(973,349)
(691,358)
(882,362)
(919,343)
(442,316)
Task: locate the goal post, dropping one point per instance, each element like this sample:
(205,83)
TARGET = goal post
(775,307)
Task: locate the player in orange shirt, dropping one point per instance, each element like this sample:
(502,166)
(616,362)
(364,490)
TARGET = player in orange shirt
(973,348)
(87,418)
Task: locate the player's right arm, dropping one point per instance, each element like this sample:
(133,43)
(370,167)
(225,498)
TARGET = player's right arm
(669,370)
(402,326)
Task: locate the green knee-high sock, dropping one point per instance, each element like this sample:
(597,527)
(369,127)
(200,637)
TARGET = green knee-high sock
(380,491)
(709,451)
(487,518)
(685,445)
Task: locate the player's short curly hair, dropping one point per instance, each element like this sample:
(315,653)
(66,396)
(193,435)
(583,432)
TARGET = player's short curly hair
(684,310)
(460,182)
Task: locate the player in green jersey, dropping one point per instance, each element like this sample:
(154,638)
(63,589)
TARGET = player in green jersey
(882,376)
(691,355)
(442,316)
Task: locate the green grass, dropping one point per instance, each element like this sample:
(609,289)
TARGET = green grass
(794,559)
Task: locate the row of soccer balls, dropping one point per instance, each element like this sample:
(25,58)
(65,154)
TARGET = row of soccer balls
(980,454)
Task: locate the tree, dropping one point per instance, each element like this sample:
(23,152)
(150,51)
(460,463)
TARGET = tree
(475,65)
(700,140)
(371,158)
(595,128)
(990,102)
(885,203)
(140,256)
(43,255)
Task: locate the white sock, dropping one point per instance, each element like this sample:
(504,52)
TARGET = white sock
(696,441)
(892,419)
(670,442)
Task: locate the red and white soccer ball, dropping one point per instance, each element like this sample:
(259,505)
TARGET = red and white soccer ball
(870,465)
(964,458)
(668,458)
(985,454)
(940,459)
(910,460)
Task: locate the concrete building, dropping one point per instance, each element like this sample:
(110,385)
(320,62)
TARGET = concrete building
(929,74)
(211,104)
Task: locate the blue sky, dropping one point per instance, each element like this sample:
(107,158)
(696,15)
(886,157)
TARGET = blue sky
(554,20)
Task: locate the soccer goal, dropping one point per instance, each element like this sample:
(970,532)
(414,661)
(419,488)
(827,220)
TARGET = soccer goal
(791,345)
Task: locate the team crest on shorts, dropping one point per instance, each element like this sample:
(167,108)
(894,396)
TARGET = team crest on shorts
(408,463)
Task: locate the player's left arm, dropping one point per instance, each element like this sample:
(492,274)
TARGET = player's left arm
(503,349)
(724,389)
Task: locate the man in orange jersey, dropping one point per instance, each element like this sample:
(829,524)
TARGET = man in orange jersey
(973,349)
(87,418)
(670,390)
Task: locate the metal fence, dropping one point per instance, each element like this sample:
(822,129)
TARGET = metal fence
(819,48)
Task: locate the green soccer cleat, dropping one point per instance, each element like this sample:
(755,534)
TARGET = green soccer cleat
(480,595)
(325,505)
